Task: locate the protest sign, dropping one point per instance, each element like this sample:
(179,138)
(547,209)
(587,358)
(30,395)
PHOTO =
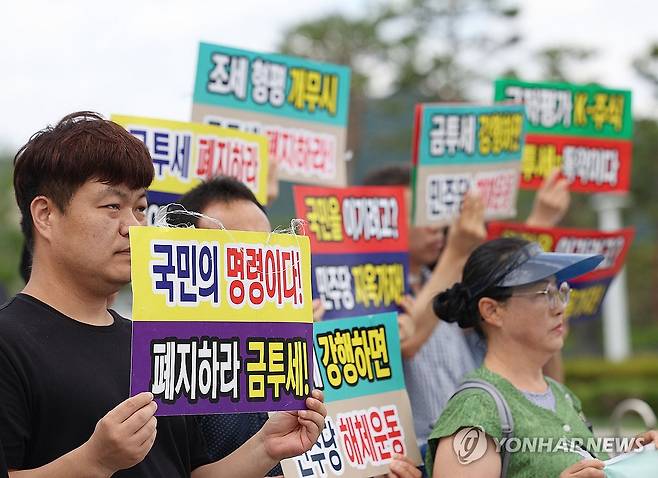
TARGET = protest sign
(588,290)
(359,367)
(586,130)
(222,320)
(359,247)
(456,147)
(185,154)
(301,106)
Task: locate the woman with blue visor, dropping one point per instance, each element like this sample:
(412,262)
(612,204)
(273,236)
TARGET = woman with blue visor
(508,419)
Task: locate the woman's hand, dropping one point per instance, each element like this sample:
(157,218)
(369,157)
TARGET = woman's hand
(402,467)
(585,469)
(645,438)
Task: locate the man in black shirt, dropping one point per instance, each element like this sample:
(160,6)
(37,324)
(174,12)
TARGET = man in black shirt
(65,358)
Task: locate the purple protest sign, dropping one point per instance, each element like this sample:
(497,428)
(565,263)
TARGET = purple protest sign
(222,367)
(222,320)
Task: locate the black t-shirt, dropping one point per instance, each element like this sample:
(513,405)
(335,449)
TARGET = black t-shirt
(226,433)
(58,377)
(3,464)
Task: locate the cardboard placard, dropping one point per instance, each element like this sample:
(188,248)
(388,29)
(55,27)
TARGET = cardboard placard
(301,106)
(222,320)
(359,247)
(586,130)
(185,154)
(456,147)
(359,367)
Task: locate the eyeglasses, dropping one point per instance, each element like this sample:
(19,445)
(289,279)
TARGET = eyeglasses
(556,295)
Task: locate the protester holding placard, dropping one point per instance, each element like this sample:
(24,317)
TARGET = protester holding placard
(226,203)
(515,295)
(438,355)
(65,358)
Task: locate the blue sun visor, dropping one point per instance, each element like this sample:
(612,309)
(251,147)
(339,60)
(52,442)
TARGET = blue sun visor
(532,264)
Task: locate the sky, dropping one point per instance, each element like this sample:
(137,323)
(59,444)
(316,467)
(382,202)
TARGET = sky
(139,57)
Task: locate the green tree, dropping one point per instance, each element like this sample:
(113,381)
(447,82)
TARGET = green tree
(642,262)
(558,61)
(10,236)
(415,51)
(421,50)
(436,46)
(353,42)
(443,47)
(646,66)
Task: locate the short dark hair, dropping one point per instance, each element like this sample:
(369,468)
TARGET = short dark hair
(221,189)
(481,273)
(59,159)
(392,175)
(25,265)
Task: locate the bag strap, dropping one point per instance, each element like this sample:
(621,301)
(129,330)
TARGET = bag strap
(506,420)
(569,397)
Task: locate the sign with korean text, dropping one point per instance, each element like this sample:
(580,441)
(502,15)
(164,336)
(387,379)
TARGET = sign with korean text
(222,320)
(185,154)
(586,130)
(588,291)
(369,418)
(301,106)
(359,247)
(456,147)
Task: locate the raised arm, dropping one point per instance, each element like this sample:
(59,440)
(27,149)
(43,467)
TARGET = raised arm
(551,202)
(465,234)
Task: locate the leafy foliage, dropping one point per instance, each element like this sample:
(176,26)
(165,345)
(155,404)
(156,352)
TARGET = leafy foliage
(11,240)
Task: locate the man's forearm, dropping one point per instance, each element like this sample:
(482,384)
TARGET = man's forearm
(75,464)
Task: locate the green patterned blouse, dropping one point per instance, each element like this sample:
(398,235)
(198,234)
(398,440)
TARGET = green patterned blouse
(551,436)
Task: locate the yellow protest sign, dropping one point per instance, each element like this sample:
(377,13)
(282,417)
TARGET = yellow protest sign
(217,275)
(184,154)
